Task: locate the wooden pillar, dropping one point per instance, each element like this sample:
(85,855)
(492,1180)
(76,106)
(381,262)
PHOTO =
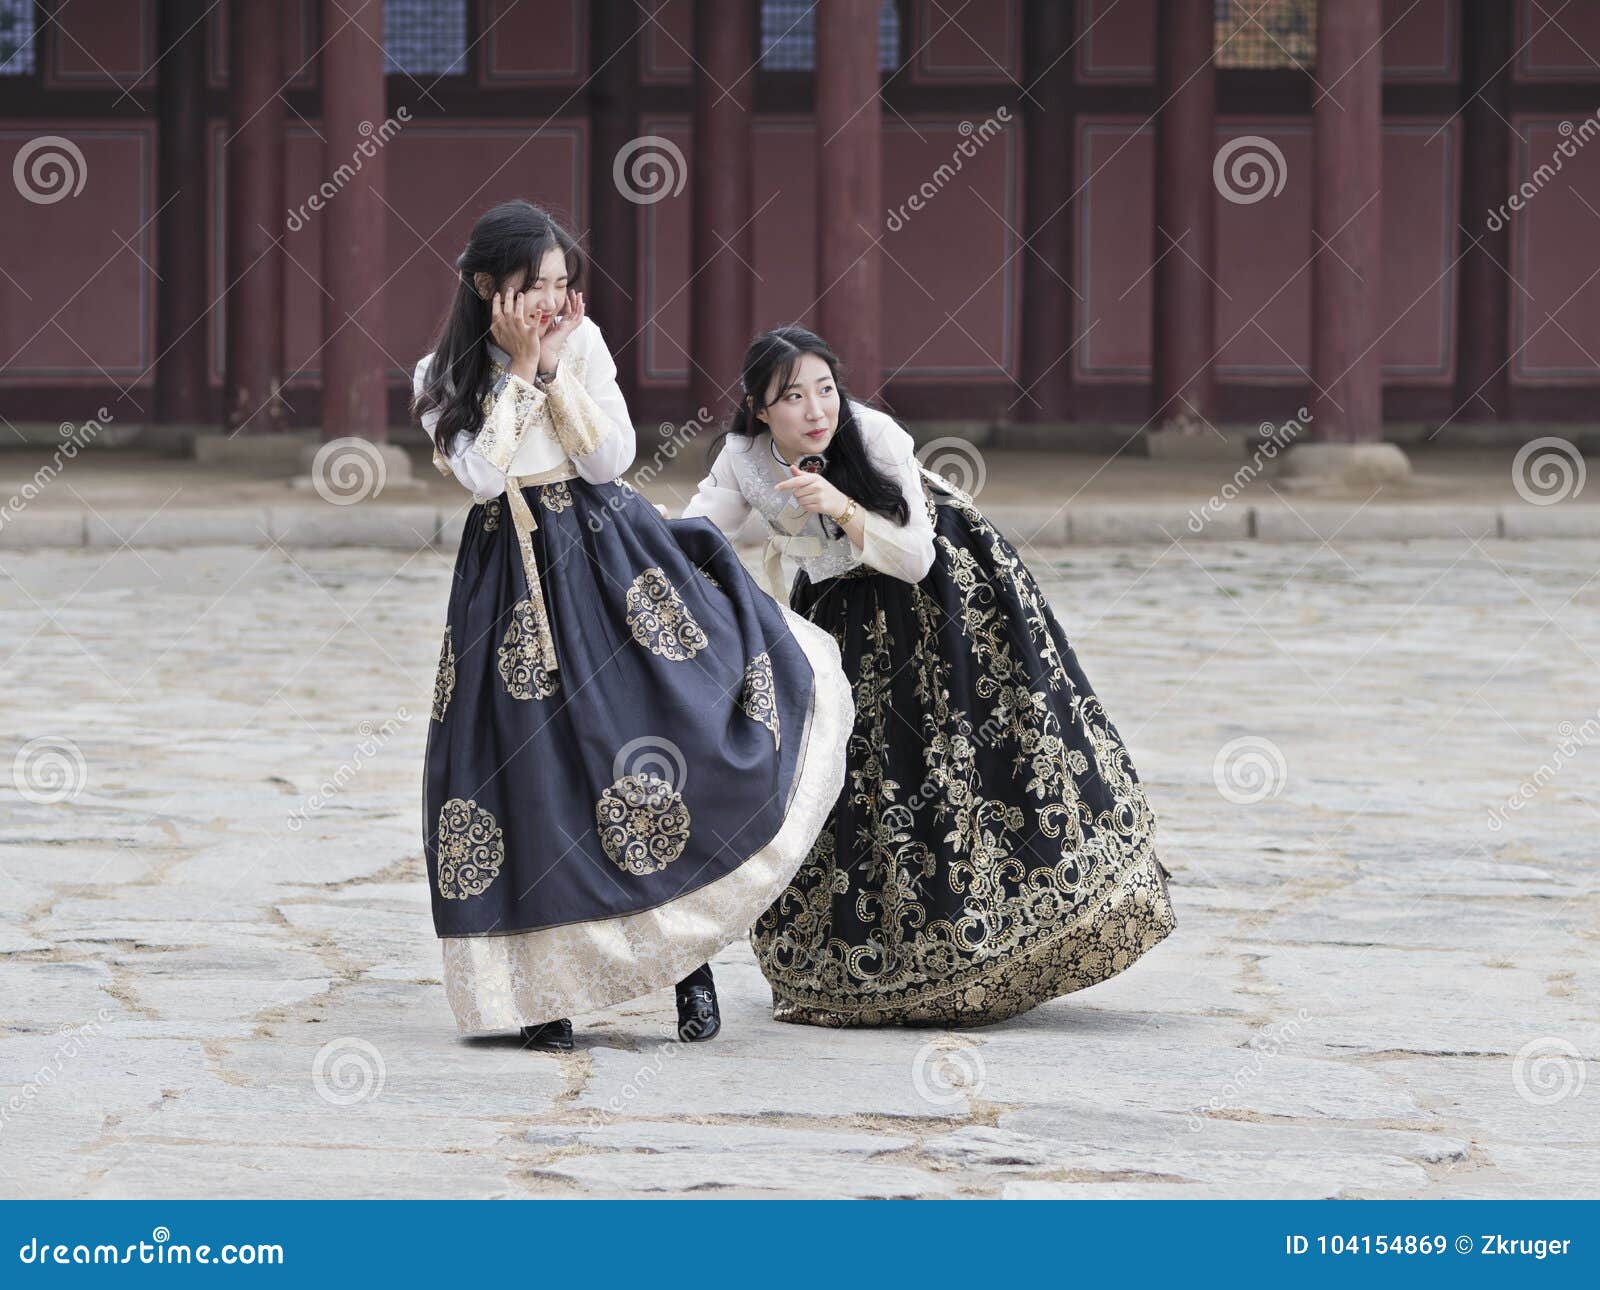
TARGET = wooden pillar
(720,237)
(181,377)
(612,276)
(1346,223)
(1483,328)
(254,286)
(849,188)
(1049,144)
(1183,340)
(354,365)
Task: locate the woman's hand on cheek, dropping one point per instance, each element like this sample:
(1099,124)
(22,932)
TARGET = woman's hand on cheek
(515,323)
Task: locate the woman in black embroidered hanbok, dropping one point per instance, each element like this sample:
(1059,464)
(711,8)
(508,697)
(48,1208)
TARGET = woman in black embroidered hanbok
(632,747)
(993,847)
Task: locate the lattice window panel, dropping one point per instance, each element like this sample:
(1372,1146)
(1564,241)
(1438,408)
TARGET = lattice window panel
(1266,34)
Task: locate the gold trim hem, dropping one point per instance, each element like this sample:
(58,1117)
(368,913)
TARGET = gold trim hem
(1103,942)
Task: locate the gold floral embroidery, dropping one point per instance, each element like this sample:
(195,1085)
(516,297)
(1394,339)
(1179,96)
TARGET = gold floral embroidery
(444,682)
(711,578)
(525,676)
(659,619)
(643,823)
(471,849)
(758,698)
(508,415)
(491,515)
(576,420)
(555,497)
(952,920)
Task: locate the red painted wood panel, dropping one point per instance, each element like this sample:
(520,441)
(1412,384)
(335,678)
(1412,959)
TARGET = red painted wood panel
(300,44)
(973,44)
(1116,41)
(441,177)
(951,275)
(534,42)
(101,42)
(1263,306)
(1557,42)
(77,291)
(666,37)
(1421,40)
(1555,239)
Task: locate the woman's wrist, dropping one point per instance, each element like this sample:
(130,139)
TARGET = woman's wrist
(846,512)
(525,369)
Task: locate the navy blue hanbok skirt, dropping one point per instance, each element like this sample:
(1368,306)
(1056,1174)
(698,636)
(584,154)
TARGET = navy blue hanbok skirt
(993,847)
(596,831)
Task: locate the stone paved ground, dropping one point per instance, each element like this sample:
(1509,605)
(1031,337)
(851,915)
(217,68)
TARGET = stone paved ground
(218,975)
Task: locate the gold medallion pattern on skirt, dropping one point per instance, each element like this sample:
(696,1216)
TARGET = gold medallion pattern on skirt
(491,515)
(556,497)
(525,677)
(471,849)
(444,683)
(659,619)
(643,823)
(758,698)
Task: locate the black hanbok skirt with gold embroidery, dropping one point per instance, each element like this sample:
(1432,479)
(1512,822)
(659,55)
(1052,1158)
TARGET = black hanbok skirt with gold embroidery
(595,831)
(993,847)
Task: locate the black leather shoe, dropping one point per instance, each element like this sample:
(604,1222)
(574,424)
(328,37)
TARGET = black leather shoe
(552,1037)
(698,1017)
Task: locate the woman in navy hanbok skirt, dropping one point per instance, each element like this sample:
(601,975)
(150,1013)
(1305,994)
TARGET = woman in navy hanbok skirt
(632,746)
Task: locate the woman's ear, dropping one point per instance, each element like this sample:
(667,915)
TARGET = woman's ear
(760,413)
(484,283)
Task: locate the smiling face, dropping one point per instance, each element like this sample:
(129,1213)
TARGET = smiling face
(803,414)
(548,288)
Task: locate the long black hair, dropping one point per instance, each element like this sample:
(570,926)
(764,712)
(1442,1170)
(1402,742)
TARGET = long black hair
(511,236)
(777,353)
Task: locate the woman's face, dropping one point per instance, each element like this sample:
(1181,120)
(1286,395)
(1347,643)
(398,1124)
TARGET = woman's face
(549,286)
(804,414)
